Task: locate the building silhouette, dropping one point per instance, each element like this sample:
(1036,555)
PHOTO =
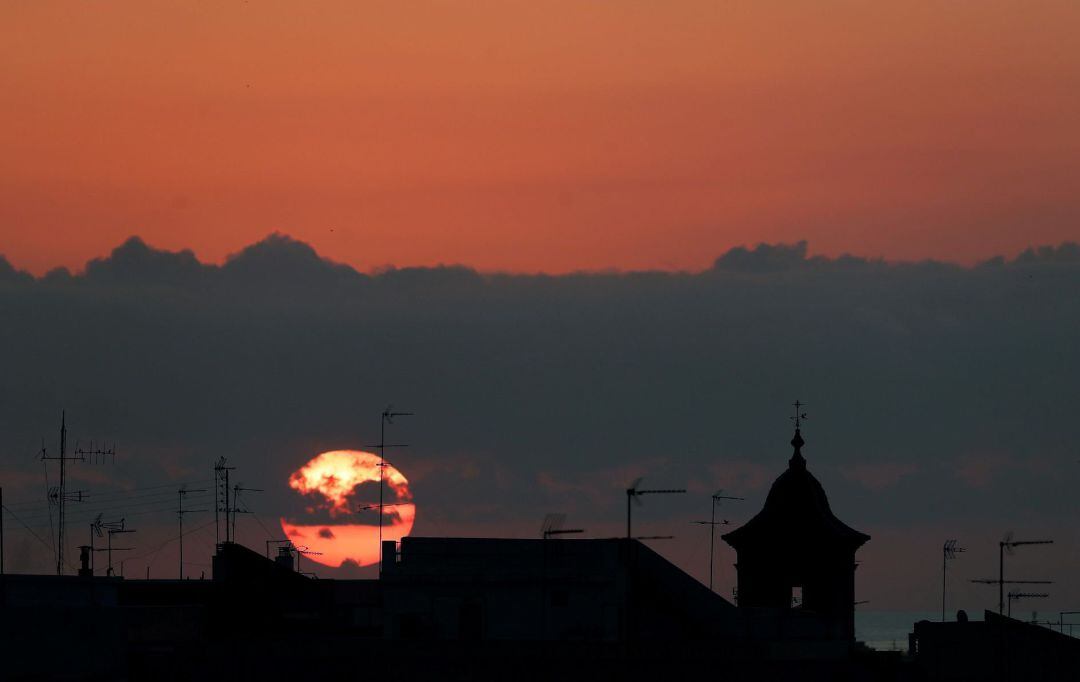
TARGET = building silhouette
(796,555)
(498,608)
(994,648)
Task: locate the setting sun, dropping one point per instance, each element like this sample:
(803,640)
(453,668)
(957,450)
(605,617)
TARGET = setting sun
(330,482)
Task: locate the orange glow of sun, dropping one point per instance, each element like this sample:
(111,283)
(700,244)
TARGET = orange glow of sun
(331,479)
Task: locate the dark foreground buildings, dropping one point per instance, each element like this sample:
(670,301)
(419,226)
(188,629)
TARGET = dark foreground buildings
(995,648)
(497,609)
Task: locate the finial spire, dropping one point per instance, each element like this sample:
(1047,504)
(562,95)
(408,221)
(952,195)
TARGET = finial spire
(797,442)
(799,414)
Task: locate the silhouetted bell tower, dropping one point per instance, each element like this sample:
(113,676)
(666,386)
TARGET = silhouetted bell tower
(795,545)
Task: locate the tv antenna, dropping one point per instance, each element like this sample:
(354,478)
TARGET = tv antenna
(58,495)
(1013,596)
(387,417)
(96,530)
(110,529)
(948,552)
(553,525)
(305,551)
(180,511)
(237,489)
(111,533)
(1007,546)
(633,493)
(717,499)
(221,498)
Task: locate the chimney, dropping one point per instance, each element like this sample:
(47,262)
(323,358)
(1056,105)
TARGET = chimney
(284,557)
(84,562)
(389,556)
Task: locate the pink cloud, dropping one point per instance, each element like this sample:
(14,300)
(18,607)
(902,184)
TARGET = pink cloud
(21,479)
(979,471)
(598,485)
(742,475)
(879,475)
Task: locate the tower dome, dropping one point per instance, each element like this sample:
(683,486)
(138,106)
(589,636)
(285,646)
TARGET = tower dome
(796,512)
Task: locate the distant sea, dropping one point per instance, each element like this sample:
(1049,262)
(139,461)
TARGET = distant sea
(888,630)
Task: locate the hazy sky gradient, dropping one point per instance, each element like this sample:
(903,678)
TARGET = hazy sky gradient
(556,136)
(539,136)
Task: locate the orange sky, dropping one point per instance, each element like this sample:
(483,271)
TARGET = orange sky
(543,135)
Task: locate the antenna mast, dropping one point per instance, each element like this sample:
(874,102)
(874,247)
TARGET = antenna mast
(387,417)
(948,551)
(237,489)
(712,523)
(180,511)
(221,498)
(59,495)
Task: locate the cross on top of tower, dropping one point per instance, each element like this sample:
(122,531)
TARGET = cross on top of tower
(799,414)
(797,442)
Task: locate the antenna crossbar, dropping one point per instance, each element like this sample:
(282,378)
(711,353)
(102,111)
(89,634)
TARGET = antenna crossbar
(633,493)
(1013,596)
(563,531)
